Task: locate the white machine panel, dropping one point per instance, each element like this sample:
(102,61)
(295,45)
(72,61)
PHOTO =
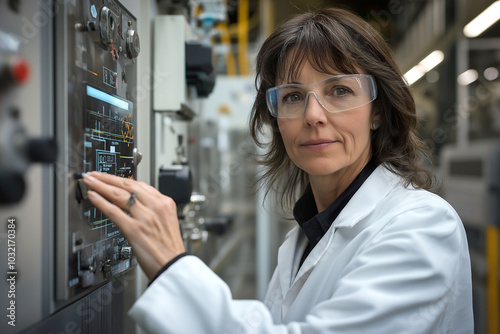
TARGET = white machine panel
(169,89)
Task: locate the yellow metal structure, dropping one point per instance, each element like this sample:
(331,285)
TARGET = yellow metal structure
(492,278)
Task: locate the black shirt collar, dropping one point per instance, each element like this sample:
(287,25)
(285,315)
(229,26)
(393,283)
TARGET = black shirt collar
(314,224)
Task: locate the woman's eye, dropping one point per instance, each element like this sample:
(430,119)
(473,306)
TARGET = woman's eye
(340,91)
(292,98)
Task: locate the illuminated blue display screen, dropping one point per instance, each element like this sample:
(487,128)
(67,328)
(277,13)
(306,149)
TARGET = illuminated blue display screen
(105,97)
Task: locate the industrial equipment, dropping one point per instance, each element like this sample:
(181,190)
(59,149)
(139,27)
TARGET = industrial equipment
(471,179)
(96,115)
(68,98)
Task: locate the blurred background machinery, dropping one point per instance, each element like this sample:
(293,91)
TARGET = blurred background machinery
(105,84)
(453,73)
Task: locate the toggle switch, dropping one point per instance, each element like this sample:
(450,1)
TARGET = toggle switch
(126,252)
(106,268)
(89,26)
(88,265)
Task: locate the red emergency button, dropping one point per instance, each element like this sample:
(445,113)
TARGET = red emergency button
(13,71)
(19,70)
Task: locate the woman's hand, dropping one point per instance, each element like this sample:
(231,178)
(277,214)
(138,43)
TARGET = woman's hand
(152,227)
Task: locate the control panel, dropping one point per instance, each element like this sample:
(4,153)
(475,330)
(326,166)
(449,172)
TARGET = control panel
(96,49)
(18,150)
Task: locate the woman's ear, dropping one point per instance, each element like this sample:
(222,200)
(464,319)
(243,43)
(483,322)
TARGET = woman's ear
(375,118)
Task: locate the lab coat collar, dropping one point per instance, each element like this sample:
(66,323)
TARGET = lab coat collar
(376,187)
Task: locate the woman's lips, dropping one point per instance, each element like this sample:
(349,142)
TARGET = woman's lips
(317,144)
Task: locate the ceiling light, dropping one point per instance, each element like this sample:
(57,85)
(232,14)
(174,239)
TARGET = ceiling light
(483,21)
(491,73)
(467,77)
(413,75)
(427,64)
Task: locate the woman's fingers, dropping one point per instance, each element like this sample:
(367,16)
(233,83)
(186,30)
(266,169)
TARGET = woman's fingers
(117,215)
(152,229)
(117,195)
(145,192)
(150,253)
(121,197)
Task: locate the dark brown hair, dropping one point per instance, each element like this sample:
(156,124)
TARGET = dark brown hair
(333,39)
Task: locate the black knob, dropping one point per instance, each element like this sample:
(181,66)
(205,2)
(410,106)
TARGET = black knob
(219,224)
(42,150)
(91,26)
(12,186)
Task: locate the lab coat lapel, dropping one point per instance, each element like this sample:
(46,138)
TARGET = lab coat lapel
(285,259)
(361,205)
(376,187)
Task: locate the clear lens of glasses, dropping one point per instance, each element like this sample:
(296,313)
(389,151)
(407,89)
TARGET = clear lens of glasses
(335,94)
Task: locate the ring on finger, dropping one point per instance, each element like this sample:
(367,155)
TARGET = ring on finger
(131,200)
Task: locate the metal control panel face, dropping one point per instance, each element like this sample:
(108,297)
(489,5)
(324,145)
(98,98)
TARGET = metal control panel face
(96,49)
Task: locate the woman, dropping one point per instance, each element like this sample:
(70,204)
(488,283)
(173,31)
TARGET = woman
(375,251)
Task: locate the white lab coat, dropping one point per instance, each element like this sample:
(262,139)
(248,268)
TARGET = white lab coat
(395,261)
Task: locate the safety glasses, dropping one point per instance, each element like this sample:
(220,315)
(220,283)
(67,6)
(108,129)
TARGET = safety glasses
(335,94)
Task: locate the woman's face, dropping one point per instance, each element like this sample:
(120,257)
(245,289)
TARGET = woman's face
(323,143)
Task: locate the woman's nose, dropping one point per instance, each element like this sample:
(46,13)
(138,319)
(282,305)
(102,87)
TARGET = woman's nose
(314,112)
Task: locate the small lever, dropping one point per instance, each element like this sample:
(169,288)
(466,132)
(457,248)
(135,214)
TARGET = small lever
(137,156)
(81,191)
